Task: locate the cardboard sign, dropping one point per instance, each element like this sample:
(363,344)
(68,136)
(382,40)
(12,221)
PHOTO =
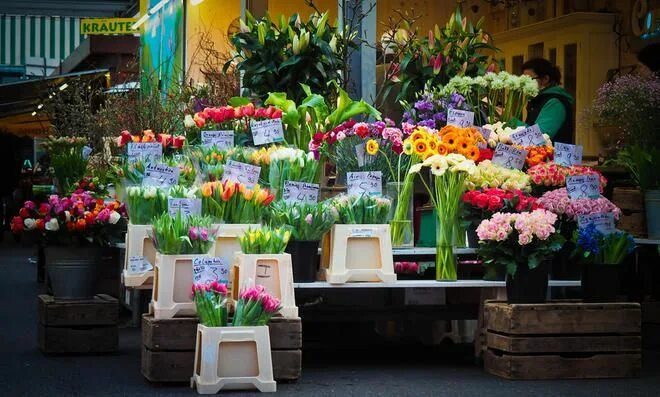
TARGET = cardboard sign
(300,192)
(508,156)
(161,175)
(367,182)
(604,221)
(144,151)
(240,172)
(187,206)
(583,186)
(530,136)
(209,269)
(138,264)
(267,131)
(460,118)
(223,139)
(568,155)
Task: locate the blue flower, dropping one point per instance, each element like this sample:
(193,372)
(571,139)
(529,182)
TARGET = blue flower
(589,239)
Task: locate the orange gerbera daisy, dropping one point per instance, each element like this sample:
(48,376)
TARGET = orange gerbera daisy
(450,140)
(417,135)
(472,153)
(448,129)
(442,148)
(463,144)
(432,145)
(421,147)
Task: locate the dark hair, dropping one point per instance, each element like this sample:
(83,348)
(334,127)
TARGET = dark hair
(542,68)
(650,56)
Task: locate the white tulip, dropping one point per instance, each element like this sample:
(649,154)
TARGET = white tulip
(53,225)
(114,217)
(29,224)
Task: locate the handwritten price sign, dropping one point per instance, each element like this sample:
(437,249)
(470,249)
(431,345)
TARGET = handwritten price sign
(460,118)
(583,186)
(568,155)
(144,151)
(187,206)
(209,269)
(530,136)
(161,175)
(223,139)
(267,131)
(508,156)
(604,221)
(300,192)
(368,182)
(138,264)
(240,172)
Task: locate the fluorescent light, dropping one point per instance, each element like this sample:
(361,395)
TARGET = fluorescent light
(34,114)
(40,106)
(149,13)
(63,86)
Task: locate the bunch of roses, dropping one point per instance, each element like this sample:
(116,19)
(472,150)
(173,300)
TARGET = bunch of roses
(552,174)
(166,140)
(558,202)
(494,199)
(539,224)
(488,175)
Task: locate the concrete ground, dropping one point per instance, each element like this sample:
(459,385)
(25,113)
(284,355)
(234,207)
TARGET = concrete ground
(388,371)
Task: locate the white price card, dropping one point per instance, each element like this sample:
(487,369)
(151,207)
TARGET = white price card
(267,131)
(138,264)
(508,156)
(208,269)
(144,151)
(530,136)
(240,172)
(583,186)
(300,192)
(223,139)
(187,206)
(460,118)
(161,175)
(604,221)
(568,155)
(362,232)
(366,182)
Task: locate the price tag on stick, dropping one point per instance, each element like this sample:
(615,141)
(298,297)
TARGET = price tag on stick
(460,118)
(161,175)
(223,139)
(530,136)
(209,269)
(508,156)
(267,131)
(583,186)
(366,182)
(300,192)
(567,155)
(240,172)
(187,206)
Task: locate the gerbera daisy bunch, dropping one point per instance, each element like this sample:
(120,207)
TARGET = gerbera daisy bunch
(463,141)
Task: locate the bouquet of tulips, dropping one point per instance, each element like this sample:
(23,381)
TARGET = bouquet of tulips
(175,142)
(67,160)
(211,303)
(265,240)
(288,164)
(360,209)
(233,202)
(255,307)
(208,161)
(144,203)
(307,222)
(177,235)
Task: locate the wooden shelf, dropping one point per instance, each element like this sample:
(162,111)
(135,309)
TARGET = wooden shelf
(428,284)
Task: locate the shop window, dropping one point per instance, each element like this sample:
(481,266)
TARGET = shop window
(552,56)
(516,64)
(535,51)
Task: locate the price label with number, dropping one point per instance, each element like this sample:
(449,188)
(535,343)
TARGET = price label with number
(583,186)
(267,131)
(530,136)
(208,269)
(300,192)
(240,172)
(508,156)
(152,151)
(567,155)
(161,175)
(187,206)
(367,182)
(460,118)
(604,221)
(138,264)
(223,139)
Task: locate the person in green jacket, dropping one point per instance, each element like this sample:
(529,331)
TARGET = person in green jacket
(552,108)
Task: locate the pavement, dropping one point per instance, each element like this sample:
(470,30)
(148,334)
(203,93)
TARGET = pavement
(387,370)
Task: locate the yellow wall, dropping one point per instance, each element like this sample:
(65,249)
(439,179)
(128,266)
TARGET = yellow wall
(211,18)
(290,7)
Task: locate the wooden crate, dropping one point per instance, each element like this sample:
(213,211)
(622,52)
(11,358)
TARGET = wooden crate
(651,325)
(168,351)
(78,326)
(563,340)
(633,216)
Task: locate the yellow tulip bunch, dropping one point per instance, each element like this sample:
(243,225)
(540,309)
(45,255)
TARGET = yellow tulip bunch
(265,240)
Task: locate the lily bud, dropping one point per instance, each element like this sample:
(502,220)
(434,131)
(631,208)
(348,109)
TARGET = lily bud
(333,43)
(243,27)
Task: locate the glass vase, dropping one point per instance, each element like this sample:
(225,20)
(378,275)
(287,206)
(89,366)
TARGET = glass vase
(401,213)
(445,261)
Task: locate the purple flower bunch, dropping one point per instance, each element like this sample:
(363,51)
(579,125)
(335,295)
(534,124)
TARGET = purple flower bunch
(430,110)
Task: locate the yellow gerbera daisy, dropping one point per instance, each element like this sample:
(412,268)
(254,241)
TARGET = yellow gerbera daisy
(372,147)
(417,135)
(421,147)
(408,147)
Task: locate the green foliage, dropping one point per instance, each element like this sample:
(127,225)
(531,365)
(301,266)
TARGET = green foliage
(307,222)
(643,163)
(511,255)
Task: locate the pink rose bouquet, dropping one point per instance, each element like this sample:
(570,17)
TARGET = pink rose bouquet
(557,201)
(554,175)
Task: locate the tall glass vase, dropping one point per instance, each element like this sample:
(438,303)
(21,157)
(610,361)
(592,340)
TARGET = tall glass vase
(445,261)
(401,213)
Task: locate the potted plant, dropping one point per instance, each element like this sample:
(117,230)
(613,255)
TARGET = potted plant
(601,254)
(522,243)
(233,355)
(307,223)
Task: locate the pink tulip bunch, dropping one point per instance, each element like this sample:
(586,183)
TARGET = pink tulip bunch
(255,307)
(211,303)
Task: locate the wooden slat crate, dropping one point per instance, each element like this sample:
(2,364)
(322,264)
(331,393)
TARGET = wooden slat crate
(78,326)
(168,351)
(651,324)
(631,203)
(563,340)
